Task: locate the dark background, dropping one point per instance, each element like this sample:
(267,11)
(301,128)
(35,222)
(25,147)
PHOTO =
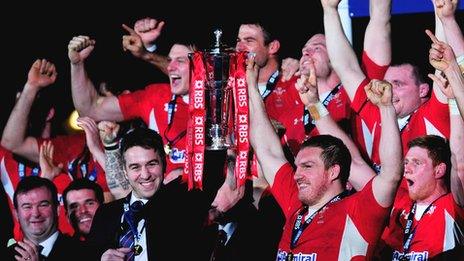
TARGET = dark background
(39,32)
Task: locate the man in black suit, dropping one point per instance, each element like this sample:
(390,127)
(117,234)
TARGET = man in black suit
(6,222)
(232,234)
(36,205)
(171,220)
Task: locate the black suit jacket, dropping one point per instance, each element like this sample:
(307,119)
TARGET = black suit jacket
(242,244)
(174,219)
(173,222)
(6,220)
(65,248)
(257,233)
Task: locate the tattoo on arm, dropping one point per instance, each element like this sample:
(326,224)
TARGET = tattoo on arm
(114,170)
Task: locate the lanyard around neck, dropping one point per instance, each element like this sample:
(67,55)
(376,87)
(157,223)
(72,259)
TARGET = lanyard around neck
(301,225)
(270,85)
(171,110)
(408,230)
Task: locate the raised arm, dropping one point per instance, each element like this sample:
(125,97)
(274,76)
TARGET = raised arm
(141,42)
(456,83)
(341,54)
(41,75)
(457,155)
(263,138)
(445,10)
(377,38)
(47,167)
(360,172)
(92,139)
(85,96)
(114,166)
(442,58)
(390,151)
(447,30)
(229,193)
(149,30)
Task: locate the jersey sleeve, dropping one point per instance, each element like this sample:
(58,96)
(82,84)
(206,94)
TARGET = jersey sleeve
(285,190)
(360,98)
(66,147)
(368,213)
(373,70)
(137,103)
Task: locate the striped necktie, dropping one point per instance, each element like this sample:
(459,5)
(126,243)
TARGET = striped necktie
(127,238)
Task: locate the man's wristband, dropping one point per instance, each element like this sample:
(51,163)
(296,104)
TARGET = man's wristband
(111,146)
(460,61)
(317,111)
(151,48)
(453,107)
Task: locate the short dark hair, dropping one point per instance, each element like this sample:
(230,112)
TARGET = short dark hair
(145,138)
(334,152)
(416,73)
(128,125)
(32,182)
(437,149)
(83,183)
(269,32)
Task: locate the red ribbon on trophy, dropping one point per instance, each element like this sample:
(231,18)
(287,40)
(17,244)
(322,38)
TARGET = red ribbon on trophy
(242,141)
(195,147)
(232,112)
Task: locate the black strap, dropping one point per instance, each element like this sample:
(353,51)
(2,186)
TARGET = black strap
(82,162)
(171,110)
(270,85)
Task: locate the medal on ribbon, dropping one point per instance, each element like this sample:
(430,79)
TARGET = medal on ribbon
(138,249)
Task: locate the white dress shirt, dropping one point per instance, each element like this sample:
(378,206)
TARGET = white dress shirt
(229,228)
(48,244)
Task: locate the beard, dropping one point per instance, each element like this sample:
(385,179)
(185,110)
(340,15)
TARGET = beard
(314,196)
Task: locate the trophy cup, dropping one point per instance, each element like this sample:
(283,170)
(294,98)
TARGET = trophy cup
(218,109)
(218,95)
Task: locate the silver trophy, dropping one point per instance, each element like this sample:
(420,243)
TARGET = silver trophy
(218,95)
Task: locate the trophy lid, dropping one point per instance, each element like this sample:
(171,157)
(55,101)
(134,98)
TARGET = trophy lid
(218,47)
